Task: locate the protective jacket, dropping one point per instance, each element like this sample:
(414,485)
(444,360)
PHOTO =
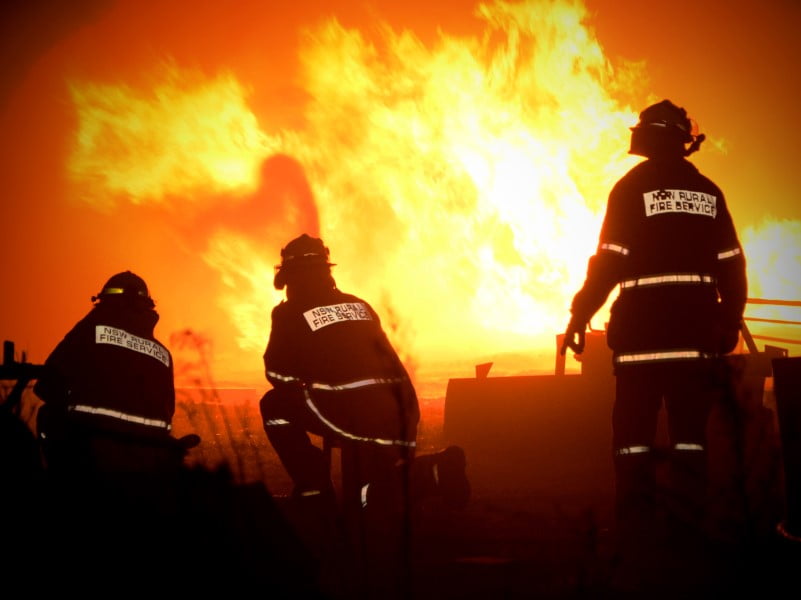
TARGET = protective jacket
(110,374)
(332,346)
(669,242)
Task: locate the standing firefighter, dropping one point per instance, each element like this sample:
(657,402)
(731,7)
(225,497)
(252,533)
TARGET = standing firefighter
(669,242)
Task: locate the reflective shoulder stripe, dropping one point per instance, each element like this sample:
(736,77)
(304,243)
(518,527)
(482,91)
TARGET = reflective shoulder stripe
(115,414)
(632,450)
(610,247)
(666,279)
(284,378)
(687,446)
(351,436)
(640,357)
(728,253)
(273,422)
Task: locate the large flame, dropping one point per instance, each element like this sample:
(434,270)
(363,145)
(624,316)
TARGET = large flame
(460,185)
(774,272)
(179,133)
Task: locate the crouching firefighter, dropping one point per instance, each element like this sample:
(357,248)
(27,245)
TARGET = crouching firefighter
(109,397)
(335,374)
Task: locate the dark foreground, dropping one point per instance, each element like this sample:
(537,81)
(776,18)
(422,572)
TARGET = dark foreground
(524,547)
(525,533)
(217,537)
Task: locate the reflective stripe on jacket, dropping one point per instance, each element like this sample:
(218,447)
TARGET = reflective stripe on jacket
(669,243)
(110,373)
(333,346)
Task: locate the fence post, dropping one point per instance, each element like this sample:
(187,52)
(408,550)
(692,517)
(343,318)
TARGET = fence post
(787,389)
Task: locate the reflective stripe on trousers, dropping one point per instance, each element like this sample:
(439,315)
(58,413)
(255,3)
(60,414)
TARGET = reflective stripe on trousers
(679,447)
(632,450)
(648,357)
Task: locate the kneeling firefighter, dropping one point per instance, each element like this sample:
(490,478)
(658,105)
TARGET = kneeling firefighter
(335,374)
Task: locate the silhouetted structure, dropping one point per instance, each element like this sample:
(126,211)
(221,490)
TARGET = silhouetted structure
(787,386)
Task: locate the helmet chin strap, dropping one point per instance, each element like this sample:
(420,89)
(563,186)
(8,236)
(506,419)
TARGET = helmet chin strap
(279,281)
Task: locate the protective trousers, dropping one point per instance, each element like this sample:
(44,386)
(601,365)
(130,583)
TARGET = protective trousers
(378,470)
(688,390)
(287,424)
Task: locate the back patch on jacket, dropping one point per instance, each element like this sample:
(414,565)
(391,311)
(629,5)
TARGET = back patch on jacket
(682,201)
(119,337)
(319,317)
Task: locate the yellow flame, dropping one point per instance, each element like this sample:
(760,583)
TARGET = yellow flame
(460,186)
(247,271)
(467,181)
(773,252)
(180,135)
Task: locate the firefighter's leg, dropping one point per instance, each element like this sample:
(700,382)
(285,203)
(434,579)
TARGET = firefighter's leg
(378,515)
(443,475)
(286,427)
(688,401)
(634,421)
(377,480)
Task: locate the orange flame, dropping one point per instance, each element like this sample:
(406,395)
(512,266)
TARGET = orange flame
(460,186)
(773,251)
(183,135)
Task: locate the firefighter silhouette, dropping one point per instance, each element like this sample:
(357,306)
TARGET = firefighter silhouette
(335,374)
(669,243)
(108,389)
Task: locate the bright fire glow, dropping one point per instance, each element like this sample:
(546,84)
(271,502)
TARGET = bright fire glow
(774,273)
(181,132)
(460,185)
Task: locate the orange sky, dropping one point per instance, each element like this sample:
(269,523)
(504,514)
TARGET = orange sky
(732,65)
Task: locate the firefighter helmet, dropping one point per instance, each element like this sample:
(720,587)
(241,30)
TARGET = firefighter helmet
(667,117)
(664,128)
(128,286)
(304,251)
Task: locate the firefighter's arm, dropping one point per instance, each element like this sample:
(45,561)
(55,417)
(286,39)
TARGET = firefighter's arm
(731,280)
(732,294)
(604,271)
(274,347)
(52,385)
(284,356)
(603,274)
(574,336)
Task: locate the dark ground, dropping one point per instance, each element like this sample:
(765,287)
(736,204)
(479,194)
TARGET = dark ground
(546,547)
(525,533)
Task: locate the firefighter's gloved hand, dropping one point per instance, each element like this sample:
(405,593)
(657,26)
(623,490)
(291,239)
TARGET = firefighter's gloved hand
(574,337)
